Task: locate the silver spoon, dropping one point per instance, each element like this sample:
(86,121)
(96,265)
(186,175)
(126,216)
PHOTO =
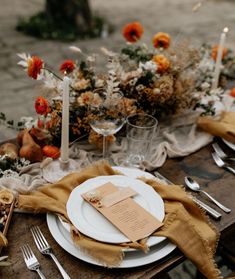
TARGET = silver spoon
(193,185)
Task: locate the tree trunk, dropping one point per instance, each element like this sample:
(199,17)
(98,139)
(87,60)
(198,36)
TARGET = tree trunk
(73,12)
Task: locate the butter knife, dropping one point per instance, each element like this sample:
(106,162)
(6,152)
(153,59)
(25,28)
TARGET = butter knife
(215,214)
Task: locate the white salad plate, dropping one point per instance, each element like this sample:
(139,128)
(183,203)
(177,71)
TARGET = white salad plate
(93,224)
(131,259)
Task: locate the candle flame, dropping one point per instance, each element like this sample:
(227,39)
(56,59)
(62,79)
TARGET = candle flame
(225,30)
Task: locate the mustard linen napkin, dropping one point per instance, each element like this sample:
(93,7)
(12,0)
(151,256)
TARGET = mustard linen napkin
(224,127)
(185,224)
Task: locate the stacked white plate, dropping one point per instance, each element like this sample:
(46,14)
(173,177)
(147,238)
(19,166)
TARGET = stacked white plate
(91,223)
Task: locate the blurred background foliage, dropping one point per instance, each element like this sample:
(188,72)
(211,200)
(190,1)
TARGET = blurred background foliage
(65,20)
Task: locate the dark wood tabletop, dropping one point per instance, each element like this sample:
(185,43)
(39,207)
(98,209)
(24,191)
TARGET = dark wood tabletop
(216,181)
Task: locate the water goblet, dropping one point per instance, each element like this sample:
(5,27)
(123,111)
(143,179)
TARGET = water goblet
(108,116)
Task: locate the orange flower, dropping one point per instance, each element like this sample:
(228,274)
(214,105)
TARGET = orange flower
(41,106)
(214,52)
(67,67)
(232,92)
(51,151)
(163,64)
(133,31)
(161,39)
(34,66)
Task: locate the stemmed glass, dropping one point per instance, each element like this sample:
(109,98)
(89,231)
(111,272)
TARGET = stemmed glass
(108,116)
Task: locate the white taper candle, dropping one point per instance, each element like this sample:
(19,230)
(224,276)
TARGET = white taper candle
(65,121)
(219,58)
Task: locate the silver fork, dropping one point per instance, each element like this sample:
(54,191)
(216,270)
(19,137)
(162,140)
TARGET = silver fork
(220,163)
(31,261)
(45,248)
(221,153)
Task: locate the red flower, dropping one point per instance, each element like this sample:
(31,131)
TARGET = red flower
(41,106)
(67,67)
(133,31)
(34,66)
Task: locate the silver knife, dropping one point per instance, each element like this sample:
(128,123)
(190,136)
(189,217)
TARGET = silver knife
(215,214)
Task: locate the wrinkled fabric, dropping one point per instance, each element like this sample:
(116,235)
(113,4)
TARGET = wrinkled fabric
(223,127)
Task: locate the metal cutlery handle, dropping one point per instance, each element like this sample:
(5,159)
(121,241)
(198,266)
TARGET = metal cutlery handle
(215,214)
(41,275)
(61,269)
(224,208)
(230,169)
(230,159)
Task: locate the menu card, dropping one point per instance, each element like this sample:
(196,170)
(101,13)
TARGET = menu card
(122,211)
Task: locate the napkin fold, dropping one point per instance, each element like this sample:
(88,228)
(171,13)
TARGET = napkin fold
(185,224)
(223,127)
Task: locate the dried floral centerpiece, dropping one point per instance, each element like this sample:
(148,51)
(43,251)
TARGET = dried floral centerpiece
(163,81)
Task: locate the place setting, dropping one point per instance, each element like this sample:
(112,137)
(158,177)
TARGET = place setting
(85,226)
(94,225)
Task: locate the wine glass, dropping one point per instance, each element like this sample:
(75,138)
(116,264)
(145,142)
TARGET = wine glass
(108,116)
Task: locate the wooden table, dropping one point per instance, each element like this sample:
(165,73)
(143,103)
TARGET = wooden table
(218,182)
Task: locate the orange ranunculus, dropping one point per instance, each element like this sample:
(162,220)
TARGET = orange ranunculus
(133,31)
(163,64)
(232,92)
(67,67)
(214,52)
(34,66)
(41,106)
(161,39)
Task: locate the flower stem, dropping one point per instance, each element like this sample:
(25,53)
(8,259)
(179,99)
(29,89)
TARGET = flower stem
(50,71)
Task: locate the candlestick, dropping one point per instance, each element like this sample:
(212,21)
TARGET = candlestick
(56,169)
(219,58)
(65,121)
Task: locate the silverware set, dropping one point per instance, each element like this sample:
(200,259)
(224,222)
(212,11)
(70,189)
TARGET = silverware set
(194,186)
(213,213)
(43,246)
(222,160)
(218,150)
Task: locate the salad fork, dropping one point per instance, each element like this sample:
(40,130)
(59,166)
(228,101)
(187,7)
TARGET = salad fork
(221,153)
(44,247)
(31,261)
(220,163)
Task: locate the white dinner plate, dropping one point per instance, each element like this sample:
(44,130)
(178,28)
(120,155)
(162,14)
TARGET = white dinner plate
(93,224)
(131,259)
(229,144)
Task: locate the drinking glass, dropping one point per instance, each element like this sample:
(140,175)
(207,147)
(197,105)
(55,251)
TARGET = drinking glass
(108,116)
(140,131)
